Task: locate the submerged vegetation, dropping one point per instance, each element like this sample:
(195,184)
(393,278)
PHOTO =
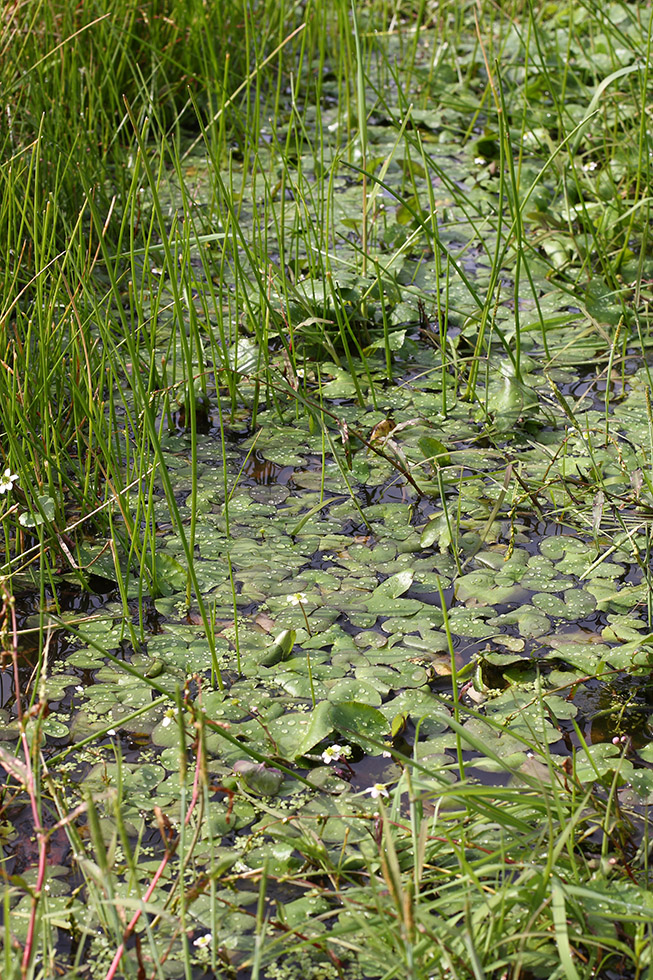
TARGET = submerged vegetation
(326,445)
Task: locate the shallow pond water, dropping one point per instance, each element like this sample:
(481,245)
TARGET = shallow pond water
(352,561)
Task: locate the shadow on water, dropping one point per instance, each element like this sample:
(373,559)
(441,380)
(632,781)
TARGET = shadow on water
(31,639)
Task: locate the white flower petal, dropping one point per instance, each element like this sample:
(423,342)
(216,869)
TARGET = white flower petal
(7,481)
(296,598)
(377,790)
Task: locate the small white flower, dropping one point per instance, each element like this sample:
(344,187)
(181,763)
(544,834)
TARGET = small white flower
(7,480)
(111,731)
(79,689)
(480,161)
(296,598)
(336,752)
(377,790)
(203,941)
(591,165)
(166,721)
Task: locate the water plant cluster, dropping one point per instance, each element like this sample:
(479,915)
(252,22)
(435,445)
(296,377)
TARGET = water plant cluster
(326,484)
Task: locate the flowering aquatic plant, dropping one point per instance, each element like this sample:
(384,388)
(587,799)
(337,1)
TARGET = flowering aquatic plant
(7,480)
(377,790)
(336,753)
(296,599)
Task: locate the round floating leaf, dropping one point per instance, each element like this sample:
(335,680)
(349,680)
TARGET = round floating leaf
(394,586)
(166,733)
(587,657)
(221,821)
(481,734)
(355,722)
(522,712)
(577,604)
(438,529)
(354,690)
(426,645)
(320,727)
(44,512)
(55,728)
(471,622)
(86,658)
(139,781)
(385,606)
(171,574)
(304,910)
(243,356)
(418,704)
(483,587)
(434,451)
(641,781)
(511,401)
(299,684)
(288,731)
(530,621)
(367,639)
(258,777)
(623,628)
(597,761)
(358,722)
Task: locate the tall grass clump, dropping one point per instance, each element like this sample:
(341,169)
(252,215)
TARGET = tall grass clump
(109,105)
(84,86)
(68,69)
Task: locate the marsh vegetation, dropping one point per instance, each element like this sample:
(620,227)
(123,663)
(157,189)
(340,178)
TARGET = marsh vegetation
(327,452)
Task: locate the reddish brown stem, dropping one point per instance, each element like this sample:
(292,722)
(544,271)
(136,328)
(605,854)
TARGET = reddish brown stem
(136,916)
(9,612)
(159,871)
